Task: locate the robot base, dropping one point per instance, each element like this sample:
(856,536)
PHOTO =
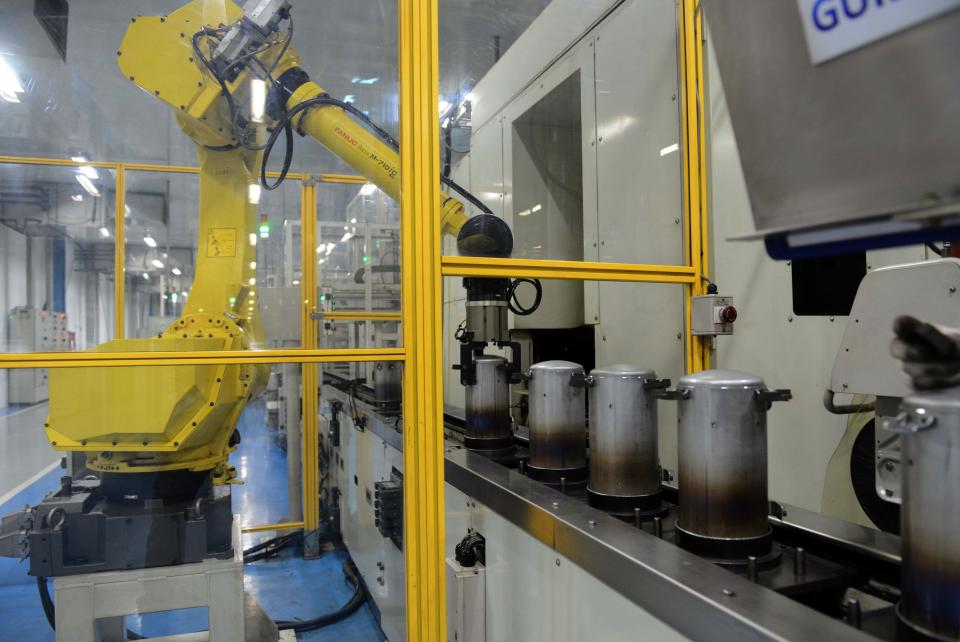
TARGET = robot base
(78,529)
(84,601)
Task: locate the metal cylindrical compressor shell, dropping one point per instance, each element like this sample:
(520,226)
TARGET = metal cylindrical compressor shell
(722,448)
(624,457)
(487,405)
(930,513)
(557,422)
(388,382)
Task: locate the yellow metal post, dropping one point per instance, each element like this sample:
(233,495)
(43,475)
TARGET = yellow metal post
(694,169)
(119,253)
(309,434)
(423,518)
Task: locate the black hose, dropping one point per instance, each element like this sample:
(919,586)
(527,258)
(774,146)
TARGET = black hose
(271,547)
(514,303)
(357,600)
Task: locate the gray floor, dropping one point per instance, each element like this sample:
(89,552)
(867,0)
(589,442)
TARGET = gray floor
(25,454)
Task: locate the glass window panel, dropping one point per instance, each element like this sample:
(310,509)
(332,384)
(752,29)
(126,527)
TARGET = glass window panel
(566,329)
(82,102)
(56,268)
(358,265)
(163,241)
(361,476)
(541,123)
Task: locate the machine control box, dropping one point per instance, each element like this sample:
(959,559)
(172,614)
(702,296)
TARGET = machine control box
(30,330)
(712,315)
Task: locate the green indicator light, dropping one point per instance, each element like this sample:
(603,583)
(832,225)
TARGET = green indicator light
(366,259)
(323,297)
(233,300)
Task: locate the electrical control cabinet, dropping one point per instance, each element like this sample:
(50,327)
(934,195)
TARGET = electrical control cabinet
(32,330)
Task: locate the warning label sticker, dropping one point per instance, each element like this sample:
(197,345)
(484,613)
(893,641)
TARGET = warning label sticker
(221,242)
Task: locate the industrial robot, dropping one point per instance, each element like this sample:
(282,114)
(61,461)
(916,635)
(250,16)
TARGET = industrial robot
(158,438)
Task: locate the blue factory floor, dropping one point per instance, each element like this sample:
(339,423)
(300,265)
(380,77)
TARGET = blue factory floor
(286,588)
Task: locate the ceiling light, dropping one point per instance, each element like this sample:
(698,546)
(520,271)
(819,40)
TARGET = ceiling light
(669,149)
(357,80)
(321,261)
(296,282)
(88,185)
(444,106)
(368,189)
(349,99)
(253,265)
(149,240)
(253,240)
(89,171)
(536,208)
(258,99)
(253,194)
(104,232)
(176,271)
(77,198)
(126,211)
(157,263)
(79,159)
(524,213)
(10,85)
(353,221)
(252,281)
(146,277)
(469,97)
(346,237)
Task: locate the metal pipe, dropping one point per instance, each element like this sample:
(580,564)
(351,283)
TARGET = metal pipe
(849,409)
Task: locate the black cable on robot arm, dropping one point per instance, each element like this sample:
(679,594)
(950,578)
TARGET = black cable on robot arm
(363,118)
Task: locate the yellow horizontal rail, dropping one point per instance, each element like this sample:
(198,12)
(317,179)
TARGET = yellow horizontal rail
(341,178)
(570,270)
(361,316)
(168,169)
(119,359)
(267,528)
(55,162)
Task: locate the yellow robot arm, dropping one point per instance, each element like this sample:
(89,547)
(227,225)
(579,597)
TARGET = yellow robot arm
(202,60)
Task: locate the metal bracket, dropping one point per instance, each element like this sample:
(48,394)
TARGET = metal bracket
(676,394)
(656,384)
(767,397)
(904,424)
(579,380)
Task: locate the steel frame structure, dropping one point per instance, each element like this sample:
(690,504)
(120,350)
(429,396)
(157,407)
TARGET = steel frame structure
(421,295)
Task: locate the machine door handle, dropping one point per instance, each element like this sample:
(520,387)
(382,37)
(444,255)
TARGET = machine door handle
(904,424)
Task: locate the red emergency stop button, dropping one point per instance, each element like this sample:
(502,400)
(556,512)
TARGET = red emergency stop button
(728,314)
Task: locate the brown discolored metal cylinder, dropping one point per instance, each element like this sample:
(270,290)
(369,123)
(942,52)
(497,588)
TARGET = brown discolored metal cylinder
(388,382)
(930,513)
(487,405)
(557,421)
(624,460)
(722,451)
